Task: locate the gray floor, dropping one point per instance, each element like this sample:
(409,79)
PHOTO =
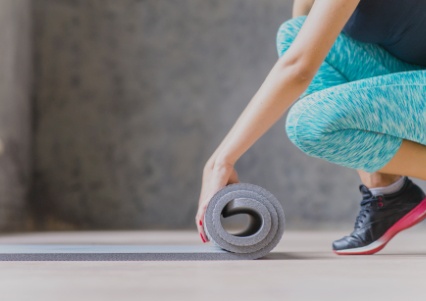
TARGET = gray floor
(302,267)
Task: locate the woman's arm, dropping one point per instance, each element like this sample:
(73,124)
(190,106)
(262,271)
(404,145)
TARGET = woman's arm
(288,79)
(302,7)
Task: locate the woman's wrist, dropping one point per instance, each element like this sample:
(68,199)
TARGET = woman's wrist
(219,163)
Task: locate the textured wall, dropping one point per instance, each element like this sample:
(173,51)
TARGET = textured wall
(15,112)
(133,96)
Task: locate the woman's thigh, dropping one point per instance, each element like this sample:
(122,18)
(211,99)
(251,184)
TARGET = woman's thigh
(348,59)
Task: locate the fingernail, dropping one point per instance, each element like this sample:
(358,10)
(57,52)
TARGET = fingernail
(202,237)
(201,222)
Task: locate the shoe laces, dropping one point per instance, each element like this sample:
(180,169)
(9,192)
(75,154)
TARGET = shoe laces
(367,205)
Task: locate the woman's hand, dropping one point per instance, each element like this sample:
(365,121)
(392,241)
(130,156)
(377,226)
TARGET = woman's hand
(215,177)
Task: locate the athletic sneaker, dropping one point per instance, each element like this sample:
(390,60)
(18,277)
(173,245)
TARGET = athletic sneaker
(381,218)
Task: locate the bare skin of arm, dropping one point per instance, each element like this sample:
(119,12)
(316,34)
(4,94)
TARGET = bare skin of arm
(302,7)
(288,79)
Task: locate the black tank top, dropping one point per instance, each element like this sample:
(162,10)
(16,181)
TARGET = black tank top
(399,26)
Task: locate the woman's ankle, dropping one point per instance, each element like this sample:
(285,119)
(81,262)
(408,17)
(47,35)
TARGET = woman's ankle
(377,179)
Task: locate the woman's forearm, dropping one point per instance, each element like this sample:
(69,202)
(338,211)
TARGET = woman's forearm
(301,7)
(283,85)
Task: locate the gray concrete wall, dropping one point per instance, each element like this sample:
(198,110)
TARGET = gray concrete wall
(132,97)
(15,112)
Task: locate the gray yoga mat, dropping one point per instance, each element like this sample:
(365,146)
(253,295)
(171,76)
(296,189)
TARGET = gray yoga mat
(265,230)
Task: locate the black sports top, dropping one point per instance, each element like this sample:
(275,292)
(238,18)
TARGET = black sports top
(399,26)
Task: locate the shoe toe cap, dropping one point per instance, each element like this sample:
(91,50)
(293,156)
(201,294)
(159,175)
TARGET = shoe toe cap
(346,242)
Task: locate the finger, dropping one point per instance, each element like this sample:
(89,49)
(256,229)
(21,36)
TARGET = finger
(203,235)
(200,226)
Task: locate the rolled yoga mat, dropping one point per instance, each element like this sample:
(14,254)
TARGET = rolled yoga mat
(266,227)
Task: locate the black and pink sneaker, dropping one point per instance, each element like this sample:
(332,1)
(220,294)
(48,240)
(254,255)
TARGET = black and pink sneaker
(381,218)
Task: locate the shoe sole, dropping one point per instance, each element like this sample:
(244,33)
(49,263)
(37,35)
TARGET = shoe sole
(415,216)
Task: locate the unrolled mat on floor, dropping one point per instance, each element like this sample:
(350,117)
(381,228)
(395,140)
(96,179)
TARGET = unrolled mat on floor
(265,230)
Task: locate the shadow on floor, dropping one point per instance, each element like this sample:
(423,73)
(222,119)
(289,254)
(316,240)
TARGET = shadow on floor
(297,256)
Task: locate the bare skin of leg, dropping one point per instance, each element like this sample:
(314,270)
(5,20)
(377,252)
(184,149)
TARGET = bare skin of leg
(410,160)
(377,179)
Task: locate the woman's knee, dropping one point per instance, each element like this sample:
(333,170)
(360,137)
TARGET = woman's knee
(287,32)
(309,126)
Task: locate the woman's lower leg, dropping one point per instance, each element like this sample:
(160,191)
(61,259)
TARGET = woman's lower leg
(377,179)
(409,160)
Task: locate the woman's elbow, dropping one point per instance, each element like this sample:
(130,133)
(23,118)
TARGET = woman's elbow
(302,69)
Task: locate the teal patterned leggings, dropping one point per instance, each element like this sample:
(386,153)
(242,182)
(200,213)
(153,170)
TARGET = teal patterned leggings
(360,105)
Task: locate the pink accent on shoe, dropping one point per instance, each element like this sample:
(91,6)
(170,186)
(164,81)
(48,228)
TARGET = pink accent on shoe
(415,216)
